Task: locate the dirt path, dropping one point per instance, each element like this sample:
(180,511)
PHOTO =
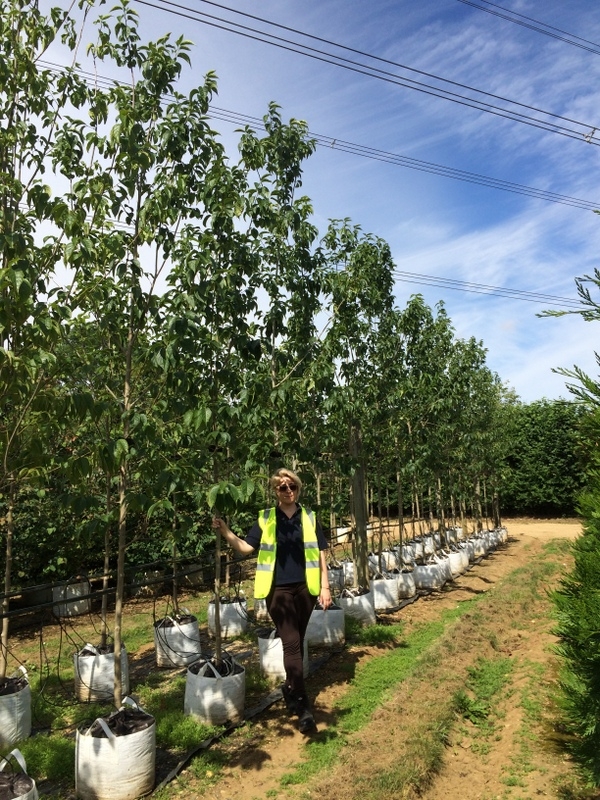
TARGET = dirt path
(506,764)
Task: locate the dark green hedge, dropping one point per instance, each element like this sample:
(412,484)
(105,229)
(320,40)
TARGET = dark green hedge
(544,469)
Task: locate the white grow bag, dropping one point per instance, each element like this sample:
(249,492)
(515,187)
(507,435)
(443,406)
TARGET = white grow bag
(479,547)
(270,654)
(451,536)
(95,674)
(110,767)
(406,585)
(470,548)
(493,538)
(386,561)
(17,785)
(405,555)
(15,711)
(214,698)
(358,606)
(459,561)
(385,592)
(444,563)
(326,627)
(428,545)
(233,616)
(417,548)
(177,642)
(70,599)
(428,576)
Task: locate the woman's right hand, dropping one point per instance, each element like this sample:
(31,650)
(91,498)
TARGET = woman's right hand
(219,524)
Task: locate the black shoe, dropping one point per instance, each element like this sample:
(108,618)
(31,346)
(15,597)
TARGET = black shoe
(306,722)
(290,701)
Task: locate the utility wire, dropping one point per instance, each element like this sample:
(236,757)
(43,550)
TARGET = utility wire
(481,288)
(536,25)
(401,275)
(582,131)
(364,151)
(413,163)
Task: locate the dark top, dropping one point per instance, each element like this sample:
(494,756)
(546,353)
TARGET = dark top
(290,564)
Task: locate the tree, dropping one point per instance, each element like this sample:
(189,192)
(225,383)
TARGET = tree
(33,114)
(360,287)
(577,600)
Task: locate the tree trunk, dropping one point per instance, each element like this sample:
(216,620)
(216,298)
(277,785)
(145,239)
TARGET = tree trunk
(120,582)
(440,506)
(400,507)
(104,610)
(10,530)
(496,509)
(477,509)
(360,507)
(380,515)
(218,638)
(123,486)
(463,517)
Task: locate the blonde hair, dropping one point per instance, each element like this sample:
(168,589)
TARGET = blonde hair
(278,476)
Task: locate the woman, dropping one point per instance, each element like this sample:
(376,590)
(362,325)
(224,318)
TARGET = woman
(291,573)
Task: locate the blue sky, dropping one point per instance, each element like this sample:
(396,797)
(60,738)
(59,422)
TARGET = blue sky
(438,226)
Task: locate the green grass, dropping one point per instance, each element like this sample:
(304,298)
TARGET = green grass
(484,682)
(50,757)
(371,635)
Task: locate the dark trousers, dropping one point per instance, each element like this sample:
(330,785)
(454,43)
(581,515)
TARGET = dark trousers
(290,607)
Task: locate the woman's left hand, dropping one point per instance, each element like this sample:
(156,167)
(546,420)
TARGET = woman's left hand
(325,598)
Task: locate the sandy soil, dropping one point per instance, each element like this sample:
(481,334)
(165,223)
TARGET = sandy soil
(257,759)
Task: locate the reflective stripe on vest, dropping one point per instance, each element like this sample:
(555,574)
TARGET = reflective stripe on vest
(267,554)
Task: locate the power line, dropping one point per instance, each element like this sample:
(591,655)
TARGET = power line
(580,131)
(402,275)
(413,163)
(480,288)
(536,25)
(395,159)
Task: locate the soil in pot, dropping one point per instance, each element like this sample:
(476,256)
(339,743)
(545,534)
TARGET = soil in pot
(15,783)
(123,722)
(12,786)
(225,667)
(12,685)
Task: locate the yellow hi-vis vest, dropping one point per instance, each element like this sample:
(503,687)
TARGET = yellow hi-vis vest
(265,564)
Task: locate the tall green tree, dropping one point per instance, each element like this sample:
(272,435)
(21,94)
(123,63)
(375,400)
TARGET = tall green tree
(151,157)
(34,106)
(577,600)
(360,290)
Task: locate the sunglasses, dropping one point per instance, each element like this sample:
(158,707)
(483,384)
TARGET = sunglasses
(283,487)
